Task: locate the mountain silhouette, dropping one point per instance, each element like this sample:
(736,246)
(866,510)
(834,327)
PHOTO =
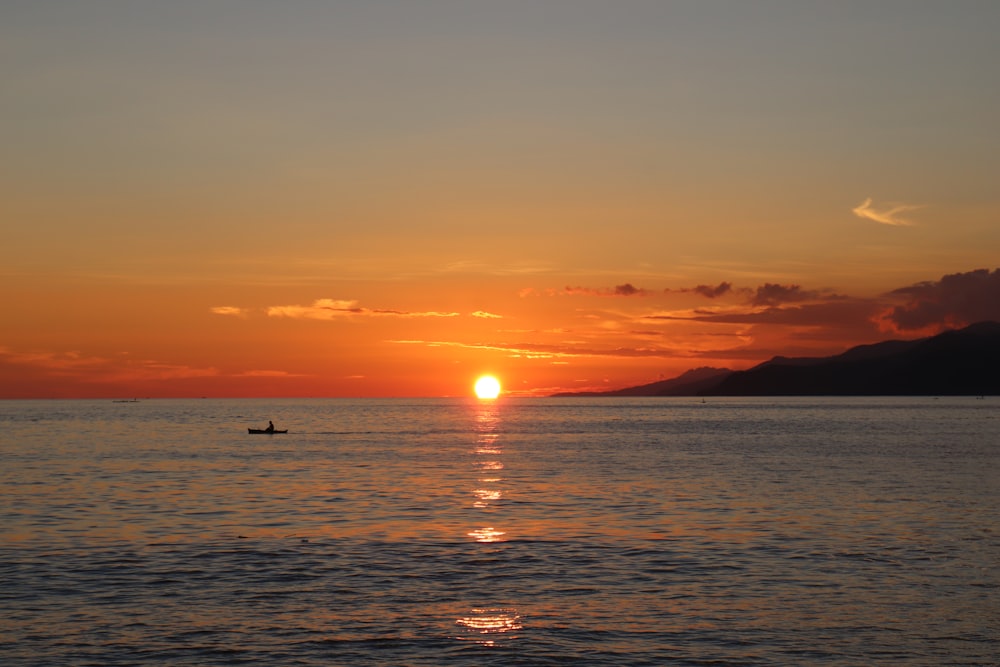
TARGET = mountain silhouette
(687,384)
(961,362)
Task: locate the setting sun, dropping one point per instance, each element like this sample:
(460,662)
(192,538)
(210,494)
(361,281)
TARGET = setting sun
(487,387)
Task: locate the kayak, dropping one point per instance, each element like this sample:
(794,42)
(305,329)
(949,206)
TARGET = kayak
(264,430)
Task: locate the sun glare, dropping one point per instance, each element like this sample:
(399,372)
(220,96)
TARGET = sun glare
(487,387)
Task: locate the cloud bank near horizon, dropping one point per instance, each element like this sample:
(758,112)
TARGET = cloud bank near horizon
(956,300)
(748,326)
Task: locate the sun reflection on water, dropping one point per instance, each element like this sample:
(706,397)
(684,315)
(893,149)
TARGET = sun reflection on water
(485,496)
(486,534)
(486,451)
(487,444)
(484,626)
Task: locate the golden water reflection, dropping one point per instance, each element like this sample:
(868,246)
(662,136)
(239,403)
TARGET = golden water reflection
(484,626)
(487,534)
(487,450)
(486,496)
(487,624)
(486,444)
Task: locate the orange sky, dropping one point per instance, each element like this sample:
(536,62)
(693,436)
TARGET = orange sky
(389,199)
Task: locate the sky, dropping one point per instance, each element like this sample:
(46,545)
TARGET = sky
(242,198)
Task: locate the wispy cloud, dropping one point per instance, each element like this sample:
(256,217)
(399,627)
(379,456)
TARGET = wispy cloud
(53,361)
(268,374)
(835,313)
(623,290)
(321,309)
(233,311)
(100,369)
(885,216)
(565,350)
(330,309)
(156,370)
(487,316)
(476,266)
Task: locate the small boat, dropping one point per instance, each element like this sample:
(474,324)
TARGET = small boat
(264,430)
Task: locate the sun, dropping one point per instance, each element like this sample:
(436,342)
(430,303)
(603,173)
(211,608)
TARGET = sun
(487,387)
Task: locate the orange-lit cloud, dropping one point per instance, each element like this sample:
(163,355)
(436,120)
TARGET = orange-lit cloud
(155,370)
(268,374)
(51,361)
(100,369)
(550,350)
(486,316)
(229,310)
(886,216)
(330,309)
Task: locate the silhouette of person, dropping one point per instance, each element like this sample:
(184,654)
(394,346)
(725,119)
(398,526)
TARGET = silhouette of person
(270,426)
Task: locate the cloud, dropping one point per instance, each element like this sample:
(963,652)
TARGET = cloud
(772,294)
(52,361)
(626,289)
(889,216)
(707,291)
(330,309)
(476,266)
(487,316)
(229,310)
(100,369)
(840,313)
(268,374)
(956,300)
(321,309)
(548,351)
(155,370)
(714,292)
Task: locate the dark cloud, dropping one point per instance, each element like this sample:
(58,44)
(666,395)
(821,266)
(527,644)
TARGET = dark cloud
(773,294)
(956,300)
(714,292)
(840,313)
(768,294)
(707,291)
(627,289)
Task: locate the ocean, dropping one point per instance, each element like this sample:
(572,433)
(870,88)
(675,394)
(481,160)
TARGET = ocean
(640,531)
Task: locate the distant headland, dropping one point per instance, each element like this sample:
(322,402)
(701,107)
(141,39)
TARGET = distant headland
(960,362)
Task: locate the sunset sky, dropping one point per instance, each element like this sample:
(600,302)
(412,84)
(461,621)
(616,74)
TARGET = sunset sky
(389,198)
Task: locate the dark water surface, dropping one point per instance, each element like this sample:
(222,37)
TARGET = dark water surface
(514,532)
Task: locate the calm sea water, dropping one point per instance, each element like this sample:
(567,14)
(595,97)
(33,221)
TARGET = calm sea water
(514,532)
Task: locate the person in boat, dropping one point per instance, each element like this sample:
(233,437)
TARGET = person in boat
(270,426)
